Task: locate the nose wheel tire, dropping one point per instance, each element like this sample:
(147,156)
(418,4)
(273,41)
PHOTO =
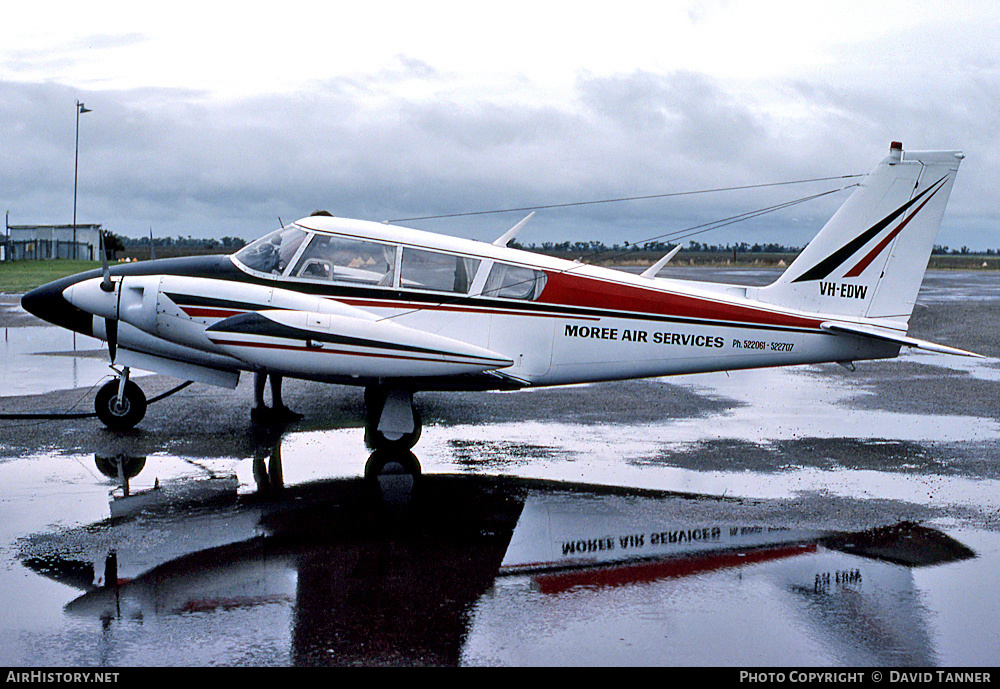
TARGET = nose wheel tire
(120,416)
(130,466)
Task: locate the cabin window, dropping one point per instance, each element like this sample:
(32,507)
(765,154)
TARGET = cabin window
(436,271)
(514,282)
(345,259)
(271,253)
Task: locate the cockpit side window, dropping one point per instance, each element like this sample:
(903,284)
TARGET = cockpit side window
(436,271)
(346,259)
(514,282)
(271,253)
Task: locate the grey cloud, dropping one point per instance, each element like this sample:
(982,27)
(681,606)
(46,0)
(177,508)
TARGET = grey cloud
(187,164)
(690,111)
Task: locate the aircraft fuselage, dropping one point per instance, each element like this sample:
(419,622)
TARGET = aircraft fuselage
(554,322)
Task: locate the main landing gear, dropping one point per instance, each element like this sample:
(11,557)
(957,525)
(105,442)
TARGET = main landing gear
(392,423)
(120,403)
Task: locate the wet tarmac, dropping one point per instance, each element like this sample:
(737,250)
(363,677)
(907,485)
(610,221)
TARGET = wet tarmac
(809,516)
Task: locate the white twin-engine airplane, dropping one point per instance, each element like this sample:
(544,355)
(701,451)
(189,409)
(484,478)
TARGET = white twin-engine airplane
(399,310)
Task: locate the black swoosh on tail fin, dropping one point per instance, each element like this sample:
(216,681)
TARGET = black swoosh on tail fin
(831,262)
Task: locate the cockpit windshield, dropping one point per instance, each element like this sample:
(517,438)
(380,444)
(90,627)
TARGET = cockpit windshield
(346,259)
(271,253)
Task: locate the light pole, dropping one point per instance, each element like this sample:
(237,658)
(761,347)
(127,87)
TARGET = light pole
(80,108)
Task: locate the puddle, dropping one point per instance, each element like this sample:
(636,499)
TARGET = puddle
(805,608)
(40,359)
(651,579)
(48,339)
(488,571)
(987,369)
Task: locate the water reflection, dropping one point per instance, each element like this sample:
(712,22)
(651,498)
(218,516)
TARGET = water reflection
(403,568)
(844,598)
(41,359)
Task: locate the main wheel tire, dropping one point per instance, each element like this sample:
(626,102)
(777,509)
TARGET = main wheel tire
(376,440)
(128,413)
(392,463)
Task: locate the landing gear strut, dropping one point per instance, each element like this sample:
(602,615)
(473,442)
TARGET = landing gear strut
(120,404)
(392,423)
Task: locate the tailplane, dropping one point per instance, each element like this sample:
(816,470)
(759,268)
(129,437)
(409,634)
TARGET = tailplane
(868,261)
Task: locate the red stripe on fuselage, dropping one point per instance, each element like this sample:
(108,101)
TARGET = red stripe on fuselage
(580,292)
(644,572)
(575,290)
(456,308)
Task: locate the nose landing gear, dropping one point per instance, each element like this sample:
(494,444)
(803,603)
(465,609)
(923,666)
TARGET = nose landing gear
(120,404)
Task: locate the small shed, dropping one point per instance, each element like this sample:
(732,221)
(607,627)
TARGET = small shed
(42,242)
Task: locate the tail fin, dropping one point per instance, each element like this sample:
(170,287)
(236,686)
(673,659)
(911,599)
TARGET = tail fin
(868,261)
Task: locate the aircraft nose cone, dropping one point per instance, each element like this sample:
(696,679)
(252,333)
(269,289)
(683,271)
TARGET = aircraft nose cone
(47,302)
(43,302)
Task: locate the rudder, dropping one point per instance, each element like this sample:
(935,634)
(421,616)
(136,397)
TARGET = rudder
(869,260)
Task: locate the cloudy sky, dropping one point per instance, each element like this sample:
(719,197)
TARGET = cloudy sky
(219,118)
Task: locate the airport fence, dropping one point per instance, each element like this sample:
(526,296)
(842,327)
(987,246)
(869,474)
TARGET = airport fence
(44,249)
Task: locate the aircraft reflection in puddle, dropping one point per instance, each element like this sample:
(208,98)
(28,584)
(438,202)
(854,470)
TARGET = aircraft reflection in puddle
(852,594)
(400,568)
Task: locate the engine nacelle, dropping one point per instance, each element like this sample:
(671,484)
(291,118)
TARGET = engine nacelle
(334,345)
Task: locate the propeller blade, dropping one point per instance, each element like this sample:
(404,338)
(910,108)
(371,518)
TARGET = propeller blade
(110,324)
(111,327)
(106,285)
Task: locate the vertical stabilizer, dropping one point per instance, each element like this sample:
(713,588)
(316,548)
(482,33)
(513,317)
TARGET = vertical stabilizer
(868,261)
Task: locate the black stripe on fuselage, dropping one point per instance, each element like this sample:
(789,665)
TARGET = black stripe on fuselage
(216,266)
(222,268)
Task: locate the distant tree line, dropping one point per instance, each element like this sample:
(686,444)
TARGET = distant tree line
(657,247)
(595,247)
(939,250)
(186,243)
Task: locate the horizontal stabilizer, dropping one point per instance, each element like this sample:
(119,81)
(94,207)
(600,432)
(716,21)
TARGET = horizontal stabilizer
(895,337)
